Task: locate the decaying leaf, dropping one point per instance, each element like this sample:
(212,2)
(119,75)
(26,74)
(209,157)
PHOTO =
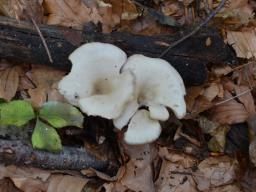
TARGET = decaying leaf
(214,172)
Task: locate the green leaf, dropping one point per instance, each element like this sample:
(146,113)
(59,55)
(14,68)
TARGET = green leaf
(61,114)
(46,137)
(16,113)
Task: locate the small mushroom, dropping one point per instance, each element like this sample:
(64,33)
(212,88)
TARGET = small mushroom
(142,129)
(95,83)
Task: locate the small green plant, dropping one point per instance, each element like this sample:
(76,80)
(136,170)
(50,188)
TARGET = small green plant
(52,115)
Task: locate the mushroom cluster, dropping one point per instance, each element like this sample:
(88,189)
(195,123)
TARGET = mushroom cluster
(134,91)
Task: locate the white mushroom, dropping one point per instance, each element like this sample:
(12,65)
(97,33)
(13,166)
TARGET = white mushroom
(95,83)
(142,129)
(158,84)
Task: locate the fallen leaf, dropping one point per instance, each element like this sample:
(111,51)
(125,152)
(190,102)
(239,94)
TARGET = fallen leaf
(6,185)
(72,13)
(29,184)
(13,171)
(214,172)
(45,79)
(221,70)
(244,42)
(174,177)
(211,92)
(139,173)
(66,183)
(246,99)
(9,81)
(230,112)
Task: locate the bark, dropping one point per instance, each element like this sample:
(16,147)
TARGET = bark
(20,153)
(19,41)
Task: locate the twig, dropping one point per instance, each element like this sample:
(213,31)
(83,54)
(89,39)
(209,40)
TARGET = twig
(194,31)
(20,153)
(43,40)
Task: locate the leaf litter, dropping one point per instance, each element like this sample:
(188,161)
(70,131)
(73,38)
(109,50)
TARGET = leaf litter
(227,98)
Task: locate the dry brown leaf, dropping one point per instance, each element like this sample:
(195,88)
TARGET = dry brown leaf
(211,92)
(227,188)
(230,112)
(214,172)
(9,81)
(38,96)
(29,184)
(66,183)
(192,94)
(184,160)
(6,185)
(139,173)
(244,42)
(246,99)
(45,79)
(26,178)
(174,177)
(27,172)
(221,70)
(70,13)
(239,10)
(22,9)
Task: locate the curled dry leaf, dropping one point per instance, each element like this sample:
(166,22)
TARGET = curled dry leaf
(214,172)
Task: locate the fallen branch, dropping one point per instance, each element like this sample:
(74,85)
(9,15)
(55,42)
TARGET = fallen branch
(19,153)
(19,41)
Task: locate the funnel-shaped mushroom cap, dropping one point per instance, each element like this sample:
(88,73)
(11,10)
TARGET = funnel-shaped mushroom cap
(95,82)
(142,129)
(157,83)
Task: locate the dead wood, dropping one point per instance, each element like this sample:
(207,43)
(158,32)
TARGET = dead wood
(19,41)
(70,158)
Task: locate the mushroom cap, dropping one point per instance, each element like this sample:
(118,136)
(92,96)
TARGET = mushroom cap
(90,62)
(142,129)
(157,83)
(95,83)
(114,98)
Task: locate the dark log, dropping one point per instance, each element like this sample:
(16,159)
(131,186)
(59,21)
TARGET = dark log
(19,41)
(20,153)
